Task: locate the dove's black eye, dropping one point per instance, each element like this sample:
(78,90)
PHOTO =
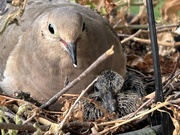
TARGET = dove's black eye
(84,27)
(51,28)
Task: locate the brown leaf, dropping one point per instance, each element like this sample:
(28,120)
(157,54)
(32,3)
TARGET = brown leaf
(169,10)
(167,65)
(119,17)
(6,100)
(109,5)
(98,3)
(175,120)
(2,100)
(166,37)
(79,112)
(137,62)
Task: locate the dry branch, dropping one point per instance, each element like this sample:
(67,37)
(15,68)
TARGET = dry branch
(166,44)
(118,124)
(77,100)
(147,41)
(158,26)
(24,127)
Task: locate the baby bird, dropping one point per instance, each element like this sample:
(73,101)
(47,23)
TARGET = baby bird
(109,83)
(115,95)
(129,98)
(52,44)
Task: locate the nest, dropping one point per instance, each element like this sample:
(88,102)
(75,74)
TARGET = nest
(27,116)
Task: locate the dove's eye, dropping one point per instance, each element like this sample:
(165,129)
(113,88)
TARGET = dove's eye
(84,27)
(51,28)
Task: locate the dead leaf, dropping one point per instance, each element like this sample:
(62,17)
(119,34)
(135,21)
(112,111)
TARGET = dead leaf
(175,119)
(94,131)
(137,62)
(170,9)
(109,5)
(2,100)
(78,112)
(119,17)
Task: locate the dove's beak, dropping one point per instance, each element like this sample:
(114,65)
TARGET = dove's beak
(72,48)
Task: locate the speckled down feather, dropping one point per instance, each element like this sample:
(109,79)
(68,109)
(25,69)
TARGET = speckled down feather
(126,99)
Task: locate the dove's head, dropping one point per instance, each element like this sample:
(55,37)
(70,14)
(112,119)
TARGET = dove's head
(62,27)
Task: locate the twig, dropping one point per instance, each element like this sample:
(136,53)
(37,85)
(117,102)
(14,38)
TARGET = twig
(122,3)
(168,26)
(117,23)
(66,125)
(147,32)
(78,124)
(44,121)
(9,17)
(132,27)
(150,96)
(99,106)
(77,100)
(178,73)
(104,56)
(136,71)
(176,101)
(9,99)
(29,119)
(8,113)
(173,72)
(160,105)
(171,79)
(166,44)
(158,26)
(124,118)
(143,105)
(131,37)
(147,41)
(28,127)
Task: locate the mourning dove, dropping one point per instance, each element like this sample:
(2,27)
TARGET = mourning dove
(38,52)
(113,97)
